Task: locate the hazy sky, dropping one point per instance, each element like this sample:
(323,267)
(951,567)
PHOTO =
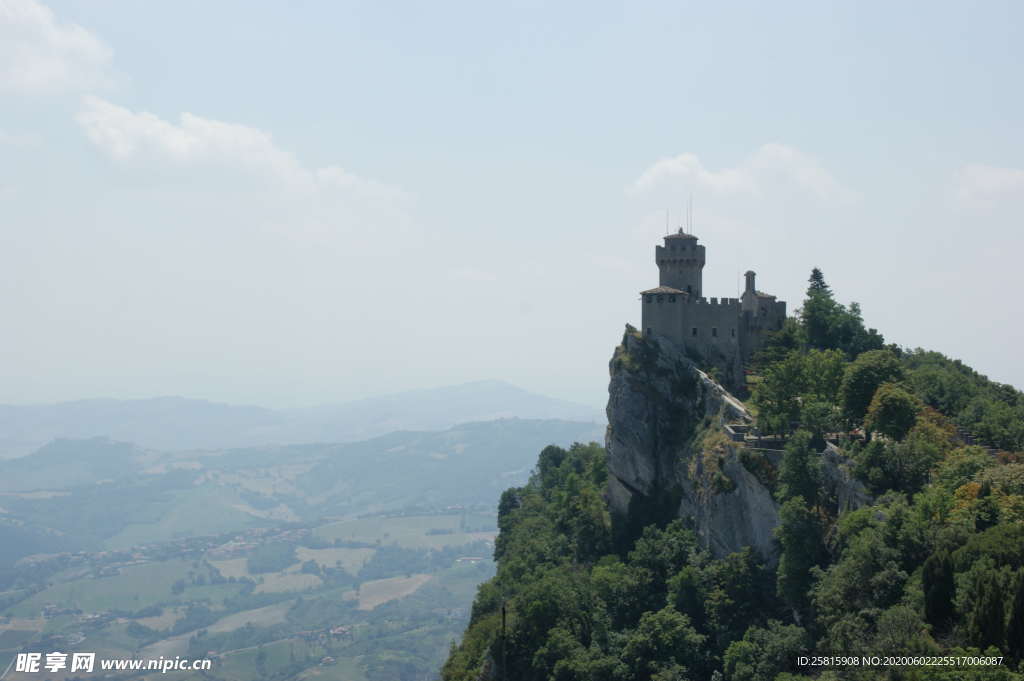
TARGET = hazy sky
(292,203)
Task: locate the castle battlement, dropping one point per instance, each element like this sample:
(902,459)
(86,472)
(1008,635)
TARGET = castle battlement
(722,332)
(723,302)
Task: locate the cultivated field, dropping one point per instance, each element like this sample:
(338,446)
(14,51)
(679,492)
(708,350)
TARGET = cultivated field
(380,591)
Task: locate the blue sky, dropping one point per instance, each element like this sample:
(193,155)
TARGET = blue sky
(294,203)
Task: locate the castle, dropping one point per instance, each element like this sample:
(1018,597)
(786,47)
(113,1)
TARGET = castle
(720,332)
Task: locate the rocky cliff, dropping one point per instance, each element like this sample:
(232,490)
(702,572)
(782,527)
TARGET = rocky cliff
(669,456)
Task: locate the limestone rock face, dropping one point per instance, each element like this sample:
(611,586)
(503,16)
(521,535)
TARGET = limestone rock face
(666,446)
(838,483)
(657,399)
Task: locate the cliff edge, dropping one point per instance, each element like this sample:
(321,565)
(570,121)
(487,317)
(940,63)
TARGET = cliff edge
(669,454)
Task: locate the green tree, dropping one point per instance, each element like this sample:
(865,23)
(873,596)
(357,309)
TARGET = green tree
(588,524)
(829,324)
(738,590)
(863,377)
(818,419)
(778,344)
(983,591)
(659,554)
(900,631)
(765,652)
(823,374)
(939,589)
(892,411)
(1015,629)
(867,578)
(819,312)
(850,335)
(986,620)
(799,535)
(549,464)
(664,641)
(799,471)
(777,395)
(687,592)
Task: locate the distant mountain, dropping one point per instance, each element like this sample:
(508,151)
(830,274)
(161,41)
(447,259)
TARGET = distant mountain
(97,493)
(178,423)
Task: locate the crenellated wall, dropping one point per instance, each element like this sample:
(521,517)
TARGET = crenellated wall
(723,332)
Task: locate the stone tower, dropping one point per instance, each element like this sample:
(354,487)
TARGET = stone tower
(681,263)
(719,332)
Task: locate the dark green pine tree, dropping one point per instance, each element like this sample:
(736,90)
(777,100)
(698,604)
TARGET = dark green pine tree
(987,622)
(828,324)
(939,589)
(799,534)
(1015,630)
(819,312)
(817,282)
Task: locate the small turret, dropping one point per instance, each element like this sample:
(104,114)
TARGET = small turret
(749,297)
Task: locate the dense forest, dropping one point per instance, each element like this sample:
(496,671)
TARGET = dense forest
(932,566)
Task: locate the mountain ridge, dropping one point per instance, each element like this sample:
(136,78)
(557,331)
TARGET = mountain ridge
(180,423)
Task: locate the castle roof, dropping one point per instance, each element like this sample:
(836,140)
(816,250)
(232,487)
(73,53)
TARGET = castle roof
(664,289)
(681,235)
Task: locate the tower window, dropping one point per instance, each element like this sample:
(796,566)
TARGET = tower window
(648,331)
(650,298)
(661,298)
(714,331)
(694,333)
(733,332)
(671,299)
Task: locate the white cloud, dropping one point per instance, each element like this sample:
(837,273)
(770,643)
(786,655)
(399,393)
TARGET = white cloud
(977,183)
(127,135)
(770,165)
(38,55)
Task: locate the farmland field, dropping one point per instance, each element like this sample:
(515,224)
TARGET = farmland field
(137,586)
(380,591)
(351,560)
(427,531)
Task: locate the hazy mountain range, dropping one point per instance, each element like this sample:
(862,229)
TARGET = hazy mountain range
(178,423)
(99,493)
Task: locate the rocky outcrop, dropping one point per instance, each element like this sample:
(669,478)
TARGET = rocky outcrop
(668,454)
(839,487)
